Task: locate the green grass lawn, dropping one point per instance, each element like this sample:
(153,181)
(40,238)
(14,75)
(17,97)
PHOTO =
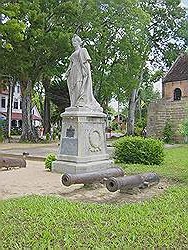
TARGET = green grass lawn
(36,222)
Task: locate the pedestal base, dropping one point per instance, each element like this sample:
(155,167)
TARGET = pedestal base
(76,168)
(83,144)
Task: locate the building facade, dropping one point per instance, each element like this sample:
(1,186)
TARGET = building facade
(16,118)
(174,103)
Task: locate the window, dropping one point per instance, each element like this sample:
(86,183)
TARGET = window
(3,102)
(15,104)
(18,89)
(20,123)
(14,123)
(20,104)
(177,94)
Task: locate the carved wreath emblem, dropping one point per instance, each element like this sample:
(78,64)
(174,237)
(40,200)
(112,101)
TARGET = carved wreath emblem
(95,141)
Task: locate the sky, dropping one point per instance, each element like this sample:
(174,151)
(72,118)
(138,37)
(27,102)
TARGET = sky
(184,3)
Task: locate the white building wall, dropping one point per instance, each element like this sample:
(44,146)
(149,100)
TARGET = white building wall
(17,99)
(17,103)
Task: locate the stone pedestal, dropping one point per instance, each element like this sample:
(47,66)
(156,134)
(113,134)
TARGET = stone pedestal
(83,145)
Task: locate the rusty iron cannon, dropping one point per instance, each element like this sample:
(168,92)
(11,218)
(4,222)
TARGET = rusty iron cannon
(127,183)
(91,177)
(12,162)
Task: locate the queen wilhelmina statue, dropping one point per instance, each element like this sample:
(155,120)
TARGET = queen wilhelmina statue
(82,146)
(79,79)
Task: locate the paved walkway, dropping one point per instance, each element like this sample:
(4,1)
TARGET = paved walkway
(37,151)
(33,179)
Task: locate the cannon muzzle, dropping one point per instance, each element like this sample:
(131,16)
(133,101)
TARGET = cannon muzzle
(129,182)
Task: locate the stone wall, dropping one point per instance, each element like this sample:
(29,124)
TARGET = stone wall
(161,111)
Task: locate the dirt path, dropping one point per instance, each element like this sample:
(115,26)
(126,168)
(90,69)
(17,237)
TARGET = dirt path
(34,179)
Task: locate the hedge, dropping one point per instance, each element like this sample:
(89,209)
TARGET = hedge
(139,150)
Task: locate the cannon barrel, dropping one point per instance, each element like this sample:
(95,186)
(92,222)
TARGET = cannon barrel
(91,177)
(12,162)
(129,182)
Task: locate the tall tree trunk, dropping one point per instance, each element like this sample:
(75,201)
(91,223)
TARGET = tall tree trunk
(134,98)
(139,110)
(46,116)
(28,133)
(131,112)
(9,108)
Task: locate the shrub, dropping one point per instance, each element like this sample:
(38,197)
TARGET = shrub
(139,150)
(54,136)
(184,127)
(16,131)
(168,132)
(47,136)
(184,130)
(48,161)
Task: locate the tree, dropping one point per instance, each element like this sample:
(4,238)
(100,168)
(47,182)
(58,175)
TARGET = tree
(43,30)
(166,38)
(110,28)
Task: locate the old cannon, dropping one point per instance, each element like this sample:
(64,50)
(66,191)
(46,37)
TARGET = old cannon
(127,183)
(12,162)
(91,177)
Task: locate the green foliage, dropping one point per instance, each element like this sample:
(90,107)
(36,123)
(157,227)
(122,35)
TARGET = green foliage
(114,126)
(54,135)
(124,36)
(139,150)
(16,131)
(184,128)
(140,125)
(48,137)
(2,130)
(48,161)
(1,134)
(164,39)
(35,44)
(117,50)
(168,132)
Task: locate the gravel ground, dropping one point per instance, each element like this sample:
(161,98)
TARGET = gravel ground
(34,179)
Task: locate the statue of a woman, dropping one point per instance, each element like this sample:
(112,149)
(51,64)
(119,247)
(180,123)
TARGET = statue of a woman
(79,79)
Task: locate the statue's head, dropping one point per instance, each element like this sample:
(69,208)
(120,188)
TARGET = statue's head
(76,40)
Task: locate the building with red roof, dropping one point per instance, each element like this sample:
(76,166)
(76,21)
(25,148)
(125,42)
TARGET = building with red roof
(16,118)
(172,108)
